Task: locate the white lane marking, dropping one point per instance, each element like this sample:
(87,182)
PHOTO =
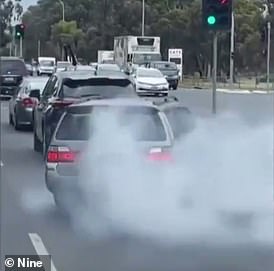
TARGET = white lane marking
(1,164)
(40,247)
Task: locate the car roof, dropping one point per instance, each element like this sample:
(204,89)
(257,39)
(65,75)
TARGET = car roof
(36,79)
(116,102)
(76,74)
(87,75)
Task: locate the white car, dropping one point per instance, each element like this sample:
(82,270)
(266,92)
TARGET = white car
(149,81)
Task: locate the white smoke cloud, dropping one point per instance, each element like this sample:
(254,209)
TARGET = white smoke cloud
(223,166)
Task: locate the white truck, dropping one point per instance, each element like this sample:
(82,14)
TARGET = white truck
(46,65)
(134,51)
(105,56)
(177,56)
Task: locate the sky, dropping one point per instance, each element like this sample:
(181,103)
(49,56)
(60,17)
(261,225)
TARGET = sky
(27,3)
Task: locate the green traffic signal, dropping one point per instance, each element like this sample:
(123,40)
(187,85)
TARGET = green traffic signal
(19,31)
(211,20)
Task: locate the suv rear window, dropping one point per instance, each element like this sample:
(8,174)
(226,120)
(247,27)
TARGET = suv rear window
(13,67)
(143,123)
(104,87)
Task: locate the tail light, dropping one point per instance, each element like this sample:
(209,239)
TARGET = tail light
(159,154)
(60,155)
(61,103)
(28,102)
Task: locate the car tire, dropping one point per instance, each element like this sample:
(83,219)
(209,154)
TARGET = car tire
(17,126)
(60,205)
(37,146)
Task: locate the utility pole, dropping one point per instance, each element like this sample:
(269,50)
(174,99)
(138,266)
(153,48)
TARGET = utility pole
(268,52)
(214,72)
(232,34)
(63,9)
(15,49)
(143,18)
(39,48)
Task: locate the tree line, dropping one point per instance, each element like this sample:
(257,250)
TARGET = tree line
(90,25)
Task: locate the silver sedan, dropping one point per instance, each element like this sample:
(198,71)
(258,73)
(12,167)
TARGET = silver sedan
(21,104)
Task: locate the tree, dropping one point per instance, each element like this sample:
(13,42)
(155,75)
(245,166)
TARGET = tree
(66,33)
(9,10)
(177,22)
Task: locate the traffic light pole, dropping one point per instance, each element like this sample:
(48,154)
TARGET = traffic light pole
(231,72)
(214,71)
(21,47)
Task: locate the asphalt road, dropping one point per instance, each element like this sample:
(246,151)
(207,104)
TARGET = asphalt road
(30,224)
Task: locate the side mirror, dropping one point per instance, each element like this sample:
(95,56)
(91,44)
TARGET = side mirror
(35,93)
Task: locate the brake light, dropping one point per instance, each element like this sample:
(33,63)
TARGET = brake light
(28,102)
(60,155)
(61,103)
(158,154)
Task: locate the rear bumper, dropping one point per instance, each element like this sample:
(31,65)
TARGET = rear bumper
(24,116)
(56,183)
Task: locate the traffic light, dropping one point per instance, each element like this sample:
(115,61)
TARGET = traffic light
(217,14)
(19,31)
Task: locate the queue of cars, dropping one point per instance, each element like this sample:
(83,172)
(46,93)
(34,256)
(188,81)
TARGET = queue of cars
(59,109)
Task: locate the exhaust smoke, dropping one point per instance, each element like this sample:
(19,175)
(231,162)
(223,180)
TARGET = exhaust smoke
(218,190)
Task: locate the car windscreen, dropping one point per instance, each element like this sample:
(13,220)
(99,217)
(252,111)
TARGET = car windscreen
(46,63)
(36,85)
(181,120)
(103,87)
(13,67)
(149,73)
(142,123)
(165,66)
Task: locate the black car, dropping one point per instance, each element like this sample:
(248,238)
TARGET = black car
(169,70)
(66,88)
(12,72)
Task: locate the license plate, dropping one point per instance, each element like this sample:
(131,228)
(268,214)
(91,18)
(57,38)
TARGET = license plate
(9,79)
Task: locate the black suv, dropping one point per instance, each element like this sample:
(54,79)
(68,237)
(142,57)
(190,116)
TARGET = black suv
(169,70)
(66,88)
(12,71)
